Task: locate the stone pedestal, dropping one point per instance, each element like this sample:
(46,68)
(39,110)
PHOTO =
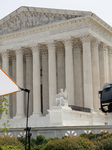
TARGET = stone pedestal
(59,115)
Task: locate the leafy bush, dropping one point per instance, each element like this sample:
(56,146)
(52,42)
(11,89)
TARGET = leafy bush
(105,144)
(91,141)
(102,141)
(70,143)
(41,140)
(10,147)
(10,141)
(36,144)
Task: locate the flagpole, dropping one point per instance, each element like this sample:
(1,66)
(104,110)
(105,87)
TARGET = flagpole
(28,134)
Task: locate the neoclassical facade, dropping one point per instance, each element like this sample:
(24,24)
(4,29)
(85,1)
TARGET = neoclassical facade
(49,49)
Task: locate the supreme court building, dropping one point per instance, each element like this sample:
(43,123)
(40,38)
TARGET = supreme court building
(48,49)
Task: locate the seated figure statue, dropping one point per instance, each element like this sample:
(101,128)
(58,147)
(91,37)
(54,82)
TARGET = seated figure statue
(62,98)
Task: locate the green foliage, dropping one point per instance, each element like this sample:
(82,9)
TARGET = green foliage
(63,137)
(7,141)
(98,136)
(3,109)
(70,143)
(102,141)
(36,144)
(41,140)
(91,141)
(9,147)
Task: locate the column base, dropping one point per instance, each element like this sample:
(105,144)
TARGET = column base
(36,115)
(19,116)
(4,116)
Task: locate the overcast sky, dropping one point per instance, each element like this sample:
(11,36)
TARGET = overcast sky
(102,8)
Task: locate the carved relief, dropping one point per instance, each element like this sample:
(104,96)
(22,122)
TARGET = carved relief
(31,19)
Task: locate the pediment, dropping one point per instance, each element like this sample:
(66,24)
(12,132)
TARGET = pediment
(27,17)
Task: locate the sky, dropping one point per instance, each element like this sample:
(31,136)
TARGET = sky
(102,8)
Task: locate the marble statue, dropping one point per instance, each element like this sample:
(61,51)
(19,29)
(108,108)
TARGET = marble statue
(62,98)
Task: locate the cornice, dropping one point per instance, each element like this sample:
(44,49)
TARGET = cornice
(43,28)
(103,23)
(99,26)
(66,25)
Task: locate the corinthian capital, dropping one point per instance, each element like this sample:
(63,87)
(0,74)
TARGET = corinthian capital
(50,45)
(86,38)
(110,51)
(12,55)
(95,41)
(18,50)
(77,44)
(43,49)
(34,47)
(105,46)
(67,40)
(5,53)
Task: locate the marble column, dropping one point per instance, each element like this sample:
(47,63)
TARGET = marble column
(45,83)
(87,72)
(19,81)
(103,61)
(78,77)
(60,69)
(52,73)
(69,70)
(95,74)
(5,66)
(29,80)
(106,62)
(13,100)
(36,81)
(10,96)
(110,64)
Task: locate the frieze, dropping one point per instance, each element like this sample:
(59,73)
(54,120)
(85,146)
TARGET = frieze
(76,24)
(30,19)
(67,26)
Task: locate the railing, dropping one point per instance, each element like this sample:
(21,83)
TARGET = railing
(78,108)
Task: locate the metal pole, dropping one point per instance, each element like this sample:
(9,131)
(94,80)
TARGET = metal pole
(28,134)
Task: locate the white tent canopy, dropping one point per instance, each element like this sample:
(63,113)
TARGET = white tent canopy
(7,85)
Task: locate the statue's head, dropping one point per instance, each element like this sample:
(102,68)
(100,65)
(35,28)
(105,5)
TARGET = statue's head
(61,90)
